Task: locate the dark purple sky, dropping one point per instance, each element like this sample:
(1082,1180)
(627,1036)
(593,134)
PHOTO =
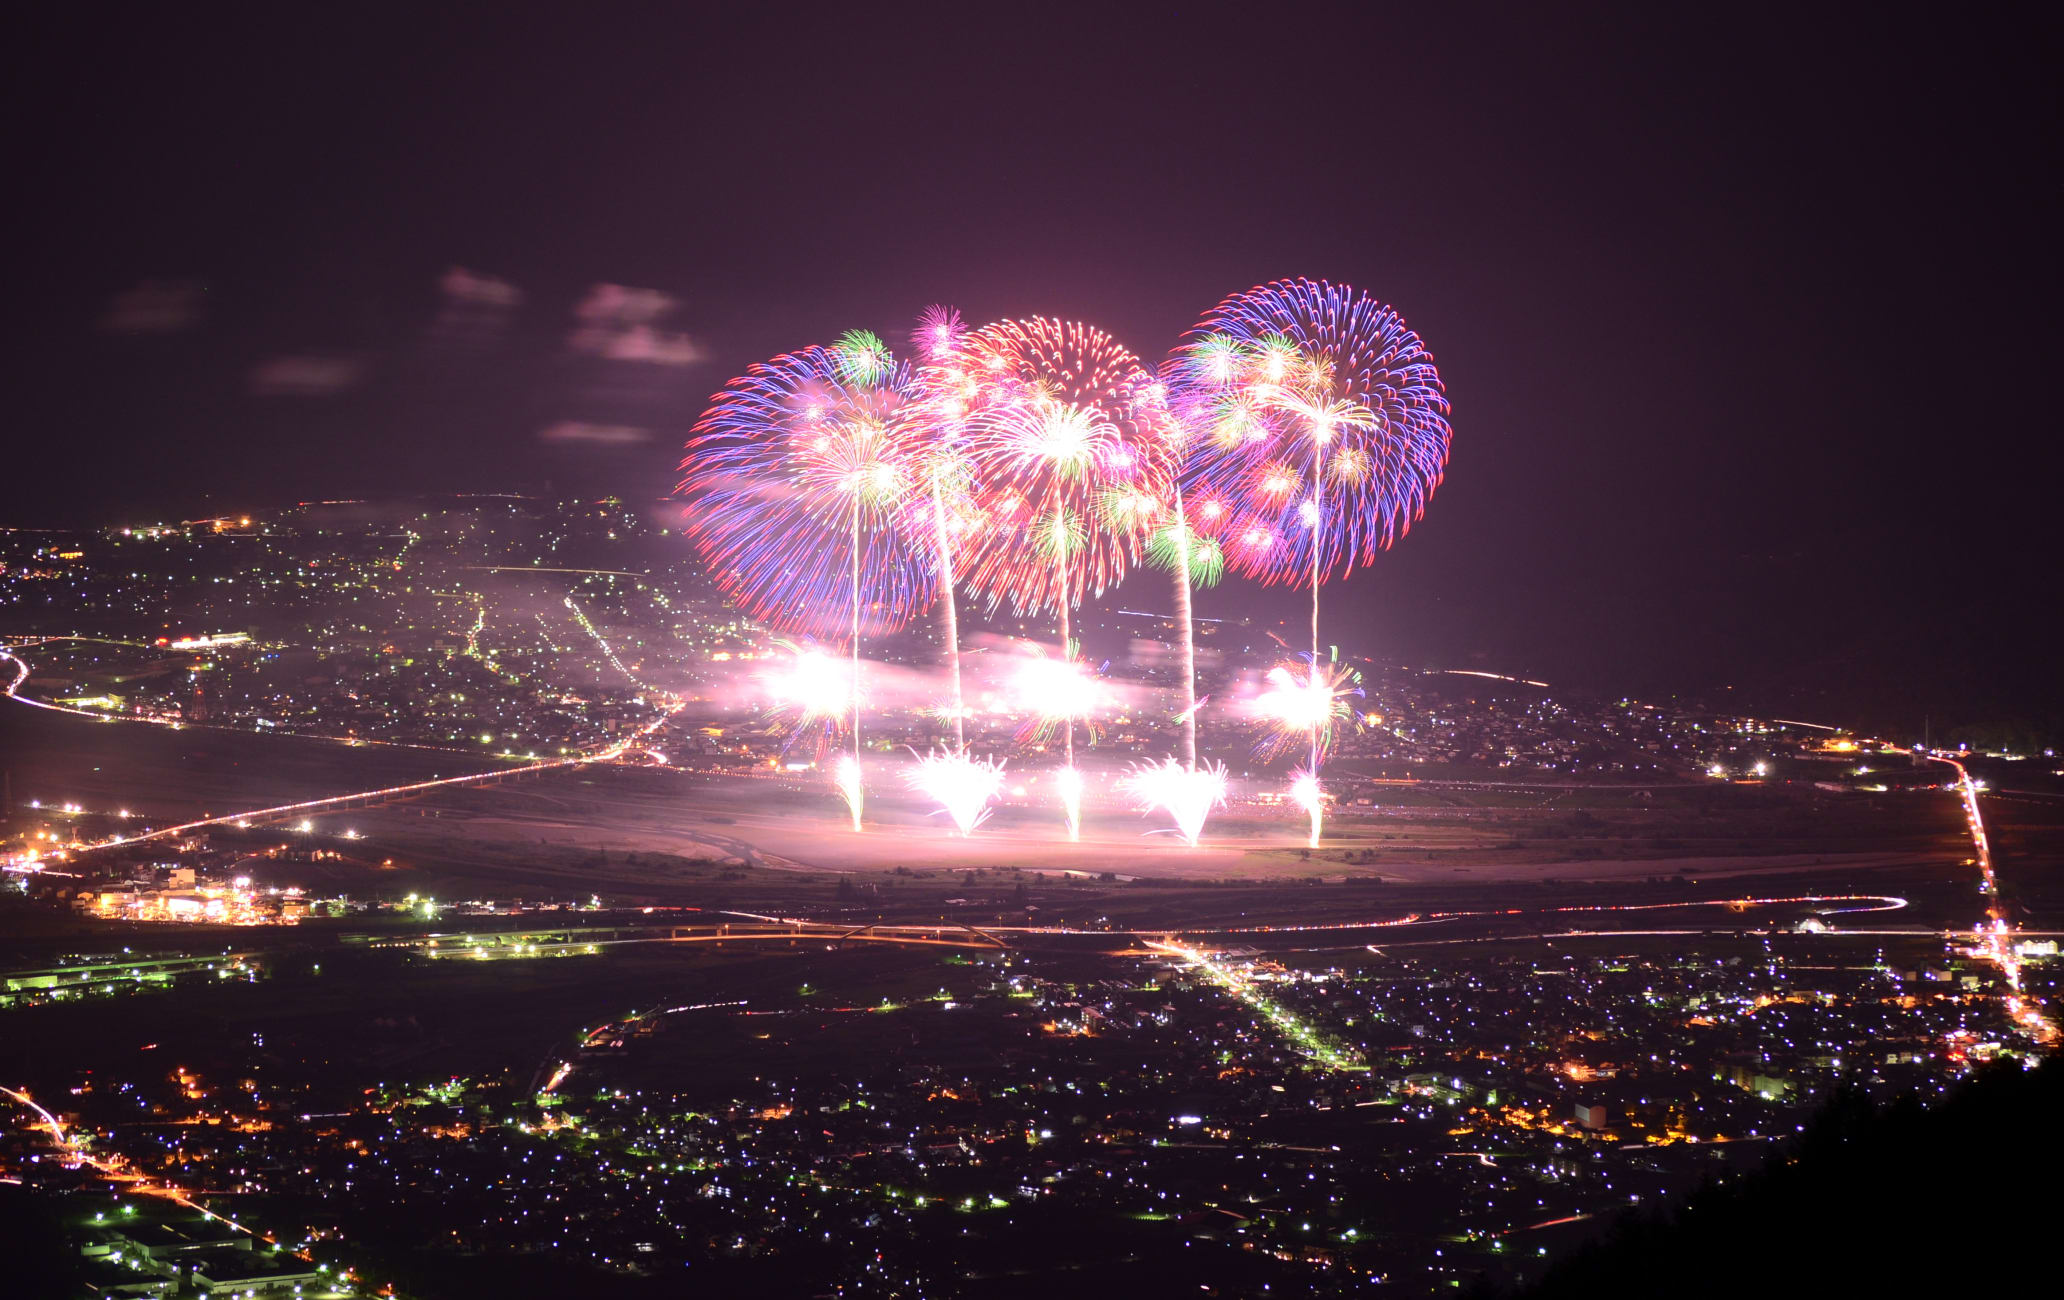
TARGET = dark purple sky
(1747,321)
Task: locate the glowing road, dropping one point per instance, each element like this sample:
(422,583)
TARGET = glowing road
(114,1168)
(1995,937)
(1302,1034)
(1191,943)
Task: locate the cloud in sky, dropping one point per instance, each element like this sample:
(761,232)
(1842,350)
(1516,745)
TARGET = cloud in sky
(459,285)
(603,435)
(621,323)
(156,307)
(306,375)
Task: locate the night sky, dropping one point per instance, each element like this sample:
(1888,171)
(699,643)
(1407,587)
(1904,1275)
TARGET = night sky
(1748,322)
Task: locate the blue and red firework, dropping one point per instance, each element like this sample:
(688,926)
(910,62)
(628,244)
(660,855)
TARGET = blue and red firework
(797,463)
(1314,417)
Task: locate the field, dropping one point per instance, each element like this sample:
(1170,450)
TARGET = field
(666,837)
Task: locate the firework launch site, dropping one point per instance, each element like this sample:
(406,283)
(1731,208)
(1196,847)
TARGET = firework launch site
(417,686)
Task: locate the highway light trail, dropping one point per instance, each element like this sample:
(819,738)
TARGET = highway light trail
(596,634)
(51,1122)
(1303,1035)
(1496,677)
(116,1170)
(539,568)
(473,650)
(1994,935)
(1859,903)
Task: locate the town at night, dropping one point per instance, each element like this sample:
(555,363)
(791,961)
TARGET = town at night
(610,689)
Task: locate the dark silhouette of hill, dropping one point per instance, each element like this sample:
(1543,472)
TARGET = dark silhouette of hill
(1873,1201)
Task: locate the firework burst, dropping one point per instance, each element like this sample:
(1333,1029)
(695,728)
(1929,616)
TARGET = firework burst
(939,334)
(1182,549)
(1057,693)
(810,691)
(1297,705)
(1062,422)
(1296,374)
(1307,794)
(1188,795)
(779,469)
(962,786)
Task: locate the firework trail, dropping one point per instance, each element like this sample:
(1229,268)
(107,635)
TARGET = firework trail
(936,426)
(940,413)
(798,479)
(950,601)
(846,776)
(1066,441)
(1307,794)
(1302,373)
(1068,788)
(1196,561)
(1189,794)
